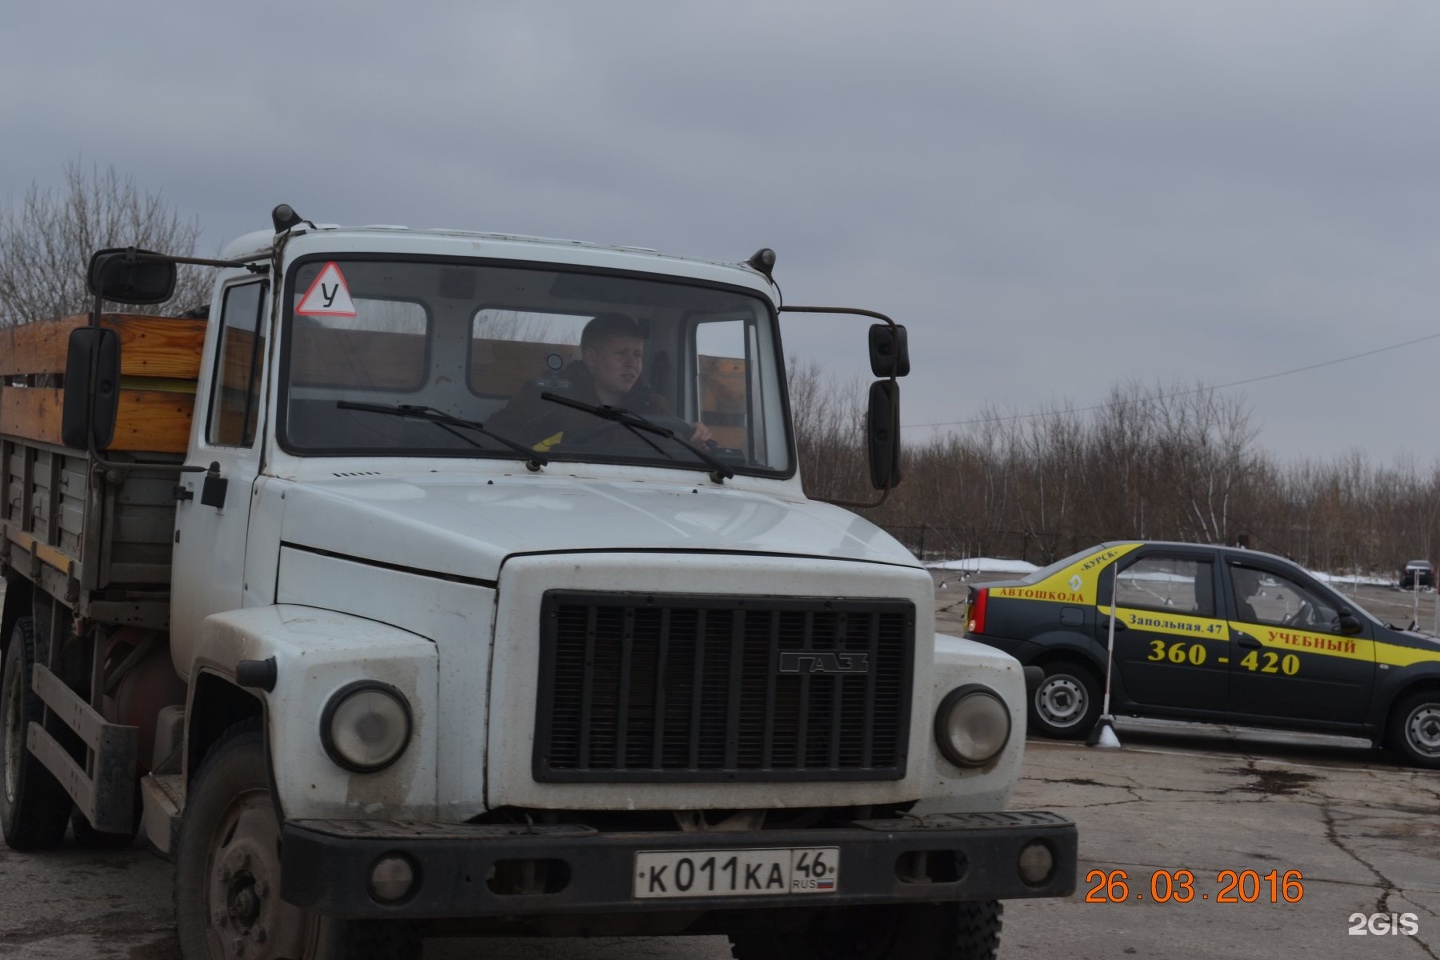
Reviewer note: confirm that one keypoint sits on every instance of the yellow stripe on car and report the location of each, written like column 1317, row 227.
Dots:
column 1074, row 584
column 1397, row 656
column 1306, row 641
column 1180, row 624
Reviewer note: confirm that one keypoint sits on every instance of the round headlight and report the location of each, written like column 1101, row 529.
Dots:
column 972, row 726
column 365, row 726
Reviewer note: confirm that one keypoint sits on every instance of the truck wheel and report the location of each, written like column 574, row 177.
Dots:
column 1067, row 703
column 227, row 873
column 968, row 930
column 1415, row 728
column 34, row 808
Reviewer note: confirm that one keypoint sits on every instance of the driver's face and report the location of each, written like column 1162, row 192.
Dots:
column 615, row 365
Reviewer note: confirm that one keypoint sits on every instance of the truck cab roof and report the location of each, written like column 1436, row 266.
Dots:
column 260, row 244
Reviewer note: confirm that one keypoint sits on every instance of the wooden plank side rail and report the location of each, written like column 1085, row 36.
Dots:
column 155, row 421
column 159, row 364
column 149, row 346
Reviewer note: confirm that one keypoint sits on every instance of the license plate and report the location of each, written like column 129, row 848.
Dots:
column 736, row 873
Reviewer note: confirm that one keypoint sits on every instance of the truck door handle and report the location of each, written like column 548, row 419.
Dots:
column 1119, row 624
column 1247, row 641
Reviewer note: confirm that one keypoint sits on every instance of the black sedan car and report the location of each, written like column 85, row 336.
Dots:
column 1212, row 634
column 1417, row 573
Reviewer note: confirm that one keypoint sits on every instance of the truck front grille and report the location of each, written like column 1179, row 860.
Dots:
column 663, row 687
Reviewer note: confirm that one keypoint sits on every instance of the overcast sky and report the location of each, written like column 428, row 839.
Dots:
column 1055, row 196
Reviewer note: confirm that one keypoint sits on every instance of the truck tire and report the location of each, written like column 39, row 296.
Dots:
column 1415, row 729
column 969, row 930
column 227, row 873
column 1067, row 703
column 34, row 807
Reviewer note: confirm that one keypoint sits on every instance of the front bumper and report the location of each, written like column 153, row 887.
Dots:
column 327, row 864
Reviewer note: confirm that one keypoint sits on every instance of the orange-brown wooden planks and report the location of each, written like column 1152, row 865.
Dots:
column 159, row 356
column 156, row 421
column 149, row 346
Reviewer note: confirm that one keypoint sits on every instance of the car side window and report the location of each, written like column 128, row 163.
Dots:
column 1273, row 599
column 1171, row 584
column 235, row 400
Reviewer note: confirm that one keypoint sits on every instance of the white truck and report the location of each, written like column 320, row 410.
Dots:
column 368, row 671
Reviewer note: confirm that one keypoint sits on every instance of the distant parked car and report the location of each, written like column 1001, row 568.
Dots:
column 1214, row 634
column 1417, row 572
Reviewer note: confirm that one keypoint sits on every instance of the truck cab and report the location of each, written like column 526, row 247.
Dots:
column 442, row 673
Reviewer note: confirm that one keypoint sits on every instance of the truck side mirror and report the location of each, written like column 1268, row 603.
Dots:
column 883, row 434
column 117, row 274
column 889, row 350
column 94, row 349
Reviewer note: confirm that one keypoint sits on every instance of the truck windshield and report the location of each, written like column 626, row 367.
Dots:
column 384, row 357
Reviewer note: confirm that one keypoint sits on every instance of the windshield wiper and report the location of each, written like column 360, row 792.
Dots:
column 533, row 459
column 719, row 472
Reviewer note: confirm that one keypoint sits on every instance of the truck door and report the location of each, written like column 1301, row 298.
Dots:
column 213, row 513
column 1291, row 658
column 1170, row 643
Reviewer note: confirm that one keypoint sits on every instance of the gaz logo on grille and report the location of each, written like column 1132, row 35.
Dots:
column 809, row 661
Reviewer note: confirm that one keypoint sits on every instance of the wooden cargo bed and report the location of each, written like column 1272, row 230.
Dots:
column 159, row 364
column 98, row 540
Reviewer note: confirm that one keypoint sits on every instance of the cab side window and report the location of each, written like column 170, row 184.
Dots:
column 1265, row 597
column 235, row 396
column 1170, row 584
column 722, row 385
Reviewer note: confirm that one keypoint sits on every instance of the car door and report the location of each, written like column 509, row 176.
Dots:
column 1171, row 644
column 213, row 515
column 1293, row 655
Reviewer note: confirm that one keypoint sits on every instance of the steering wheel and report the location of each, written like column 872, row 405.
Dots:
column 587, row 437
column 1303, row 616
column 676, row 425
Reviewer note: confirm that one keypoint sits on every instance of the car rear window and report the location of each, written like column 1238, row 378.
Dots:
column 1056, row 567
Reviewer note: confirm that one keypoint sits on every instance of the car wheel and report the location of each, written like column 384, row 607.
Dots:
column 1067, row 702
column 1415, row 729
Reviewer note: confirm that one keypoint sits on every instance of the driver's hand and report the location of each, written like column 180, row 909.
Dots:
column 701, row 434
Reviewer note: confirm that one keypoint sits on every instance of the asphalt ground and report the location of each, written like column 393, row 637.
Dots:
column 1224, row 806
column 1177, row 808
column 1203, row 825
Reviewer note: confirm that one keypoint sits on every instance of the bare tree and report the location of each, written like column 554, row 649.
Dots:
column 46, row 242
column 1205, row 451
column 1153, row 462
column 830, row 432
column 1118, row 469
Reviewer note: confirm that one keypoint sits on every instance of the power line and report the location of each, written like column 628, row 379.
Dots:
column 1186, row 393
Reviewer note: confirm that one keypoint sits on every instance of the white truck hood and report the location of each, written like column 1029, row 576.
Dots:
column 466, row 526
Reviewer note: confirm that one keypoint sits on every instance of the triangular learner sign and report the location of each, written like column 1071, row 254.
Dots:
column 328, row 296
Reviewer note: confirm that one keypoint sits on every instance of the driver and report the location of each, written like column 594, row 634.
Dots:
column 1247, row 589
column 612, row 355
